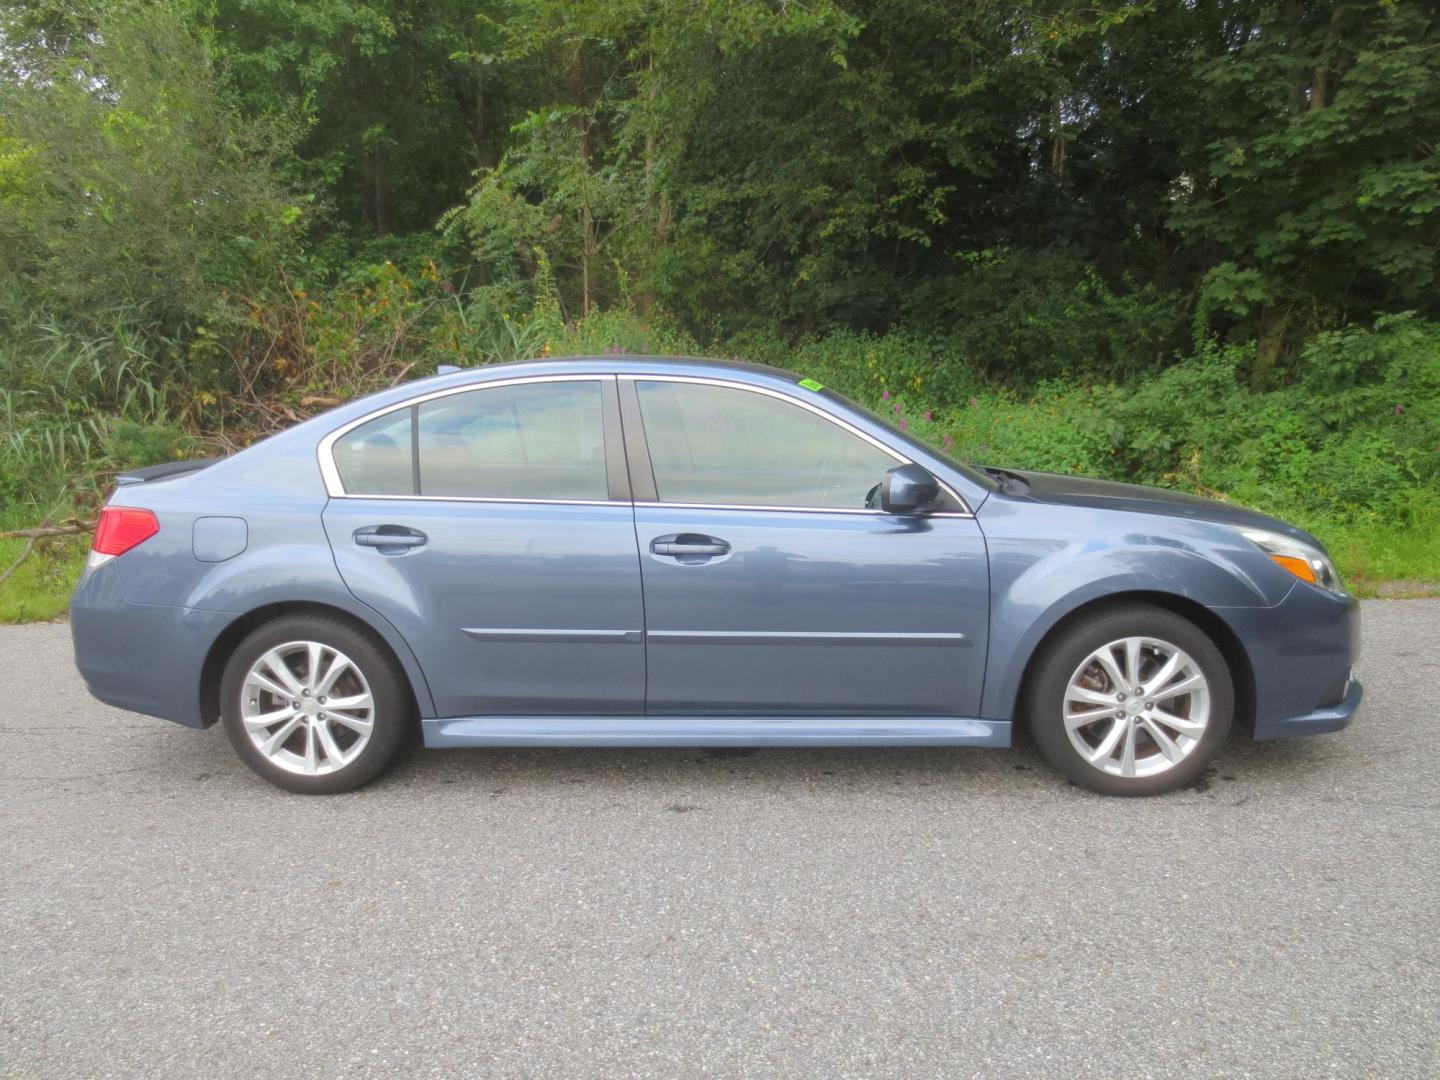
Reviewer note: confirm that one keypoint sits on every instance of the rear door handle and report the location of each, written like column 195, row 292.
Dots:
column 390, row 539
column 677, row 544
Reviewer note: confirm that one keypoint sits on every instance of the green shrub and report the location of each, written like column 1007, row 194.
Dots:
column 1026, row 316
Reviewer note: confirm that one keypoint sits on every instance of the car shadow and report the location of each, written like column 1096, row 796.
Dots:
column 764, row 768
column 1242, row 766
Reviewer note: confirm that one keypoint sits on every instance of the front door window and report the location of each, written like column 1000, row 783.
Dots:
column 723, row 446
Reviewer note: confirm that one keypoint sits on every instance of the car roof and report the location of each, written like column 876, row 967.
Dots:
column 623, row 362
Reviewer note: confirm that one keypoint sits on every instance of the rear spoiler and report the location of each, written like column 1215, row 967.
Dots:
column 163, row 472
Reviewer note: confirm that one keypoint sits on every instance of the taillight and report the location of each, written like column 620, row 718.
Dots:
column 122, row 528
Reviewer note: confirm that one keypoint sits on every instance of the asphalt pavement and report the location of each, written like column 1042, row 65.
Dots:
column 676, row 913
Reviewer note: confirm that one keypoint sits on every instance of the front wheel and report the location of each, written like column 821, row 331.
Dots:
column 1132, row 701
column 314, row 705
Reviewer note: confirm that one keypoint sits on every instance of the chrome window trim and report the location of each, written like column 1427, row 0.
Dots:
column 336, row 489
column 490, row 499
column 862, row 511
column 325, row 451
column 842, row 424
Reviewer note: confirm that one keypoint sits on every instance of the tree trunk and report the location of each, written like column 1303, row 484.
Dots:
column 1270, row 344
column 587, row 216
column 587, row 224
column 657, row 201
column 469, row 93
column 379, row 195
column 1057, row 139
column 1299, row 84
column 588, row 242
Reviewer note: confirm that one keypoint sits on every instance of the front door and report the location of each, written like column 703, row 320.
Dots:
column 492, row 527
column 771, row 589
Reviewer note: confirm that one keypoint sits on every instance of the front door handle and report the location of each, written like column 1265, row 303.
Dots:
column 390, row 539
column 691, row 544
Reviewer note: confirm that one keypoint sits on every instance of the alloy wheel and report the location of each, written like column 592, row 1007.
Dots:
column 1137, row 706
column 307, row 708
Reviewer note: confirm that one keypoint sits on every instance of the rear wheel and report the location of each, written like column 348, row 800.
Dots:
column 1135, row 700
column 314, row 705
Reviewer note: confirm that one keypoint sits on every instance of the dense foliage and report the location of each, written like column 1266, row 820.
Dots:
column 1189, row 242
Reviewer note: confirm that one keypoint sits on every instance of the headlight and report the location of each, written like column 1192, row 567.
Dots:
column 1301, row 559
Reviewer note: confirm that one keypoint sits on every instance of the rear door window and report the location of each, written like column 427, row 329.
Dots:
column 543, row 440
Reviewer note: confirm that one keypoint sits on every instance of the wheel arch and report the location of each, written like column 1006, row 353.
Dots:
column 213, row 668
column 1211, row 624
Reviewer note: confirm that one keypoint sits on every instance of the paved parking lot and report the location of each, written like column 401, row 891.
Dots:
column 664, row 913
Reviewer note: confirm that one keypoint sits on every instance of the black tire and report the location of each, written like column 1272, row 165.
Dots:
column 392, row 717
column 1043, row 708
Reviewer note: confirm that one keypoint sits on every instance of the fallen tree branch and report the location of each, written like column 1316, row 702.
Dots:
column 45, row 532
column 24, row 554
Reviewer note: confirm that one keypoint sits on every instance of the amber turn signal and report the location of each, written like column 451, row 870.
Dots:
column 1301, row 568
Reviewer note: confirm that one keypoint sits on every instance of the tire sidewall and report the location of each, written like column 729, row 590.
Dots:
column 1045, row 699
column 393, row 711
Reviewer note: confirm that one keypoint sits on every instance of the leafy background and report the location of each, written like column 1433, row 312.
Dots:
column 1179, row 243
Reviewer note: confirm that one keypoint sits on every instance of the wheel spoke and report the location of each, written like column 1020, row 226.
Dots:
column 1108, row 744
column 266, row 720
column 1083, row 719
column 1127, row 753
column 1184, row 686
column 281, row 670
column 1106, row 659
column 355, row 701
column 1167, row 745
column 328, row 744
column 269, row 685
column 1132, row 660
column 314, row 651
column 338, row 666
column 312, row 762
column 276, row 741
column 1181, row 724
column 1090, row 697
column 1165, row 674
column 354, row 723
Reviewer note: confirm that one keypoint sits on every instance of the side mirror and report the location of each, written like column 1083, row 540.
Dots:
column 908, row 489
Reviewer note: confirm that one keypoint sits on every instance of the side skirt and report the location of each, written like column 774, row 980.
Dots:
column 715, row 731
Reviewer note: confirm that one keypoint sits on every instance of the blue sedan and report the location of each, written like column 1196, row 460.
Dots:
column 655, row 552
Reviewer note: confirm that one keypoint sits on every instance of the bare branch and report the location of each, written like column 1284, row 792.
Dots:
column 24, row 554
column 45, row 532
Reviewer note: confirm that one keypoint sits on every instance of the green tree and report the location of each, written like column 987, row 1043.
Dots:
column 126, row 175
column 399, row 101
column 1318, row 197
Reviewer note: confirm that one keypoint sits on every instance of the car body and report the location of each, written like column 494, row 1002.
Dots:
column 650, row 551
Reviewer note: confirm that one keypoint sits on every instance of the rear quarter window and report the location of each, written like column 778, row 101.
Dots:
column 376, row 458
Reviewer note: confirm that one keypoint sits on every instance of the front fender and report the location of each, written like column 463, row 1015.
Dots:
column 1047, row 561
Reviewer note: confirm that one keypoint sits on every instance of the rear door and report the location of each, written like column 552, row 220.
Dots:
column 770, row 588
column 492, row 526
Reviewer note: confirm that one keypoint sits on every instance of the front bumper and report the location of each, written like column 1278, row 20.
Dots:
column 1317, row 721
column 1302, row 655
column 143, row 657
